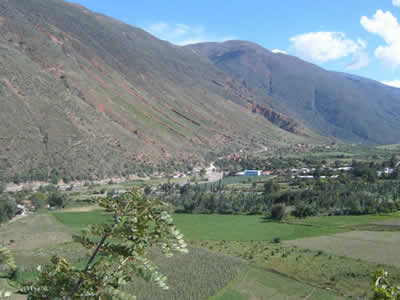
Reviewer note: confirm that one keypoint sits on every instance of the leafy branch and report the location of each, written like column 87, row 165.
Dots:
column 119, row 248
column 7, row 259
column 383, row 288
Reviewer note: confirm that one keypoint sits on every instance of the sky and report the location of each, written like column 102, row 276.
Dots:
column 360, row 37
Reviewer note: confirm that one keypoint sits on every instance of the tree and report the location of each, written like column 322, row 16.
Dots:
column 303, row 210
column 271, row 187
column 8, row 208
column 278, row 212
column 147, row 190
column 393, row 160
column 119, row 249
column 2, row 187
column 202, row 172
column 38, row 200
column 57, row 199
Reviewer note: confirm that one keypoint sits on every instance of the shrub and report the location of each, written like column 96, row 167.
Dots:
column 276, row 240
column 8, row 209
column 278, row 212
column 38, row 200
column 57, row 199
column 302, row 211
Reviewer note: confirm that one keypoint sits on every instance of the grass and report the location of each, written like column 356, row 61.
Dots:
column 255, row 283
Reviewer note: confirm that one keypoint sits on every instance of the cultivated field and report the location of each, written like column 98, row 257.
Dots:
column 344, row 221
column 346, row 276
column 255, row 283
column 243, row 228
column 197, row 275
column 213, row 227
column 249, row 238
column 232, row 256
column 375, row 246
column 34, row 231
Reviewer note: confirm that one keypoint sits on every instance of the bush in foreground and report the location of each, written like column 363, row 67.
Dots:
column 118, row 248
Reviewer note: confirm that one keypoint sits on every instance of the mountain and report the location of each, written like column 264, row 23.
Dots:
column 86, row 95
column 334, row 104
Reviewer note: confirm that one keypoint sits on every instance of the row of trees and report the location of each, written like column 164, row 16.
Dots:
column 349, row 194
column 9, row 202
column 54, row 175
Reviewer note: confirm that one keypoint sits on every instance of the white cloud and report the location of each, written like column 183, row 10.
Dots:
column 385, row 25
column 396, row 3
column 321, row 47
column 182, row 34
column 394, row 83
column 279, row 51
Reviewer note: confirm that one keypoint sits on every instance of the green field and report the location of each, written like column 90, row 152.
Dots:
column 255, row 283
column 80, row 220
column 231, row 256
column 243, row 228
column 240, row 227
column 343, row 221
column 214, row 227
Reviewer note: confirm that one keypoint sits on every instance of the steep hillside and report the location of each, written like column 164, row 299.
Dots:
column 333, row 104
column 81, row 93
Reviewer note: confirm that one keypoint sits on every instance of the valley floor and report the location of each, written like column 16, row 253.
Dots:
column 232, row 257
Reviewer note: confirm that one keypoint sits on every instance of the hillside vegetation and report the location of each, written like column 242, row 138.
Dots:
column 78, row 87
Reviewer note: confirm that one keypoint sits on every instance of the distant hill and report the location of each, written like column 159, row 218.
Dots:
column 334, row 104
column 85, row 94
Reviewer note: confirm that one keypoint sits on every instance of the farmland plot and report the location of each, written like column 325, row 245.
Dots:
column 197, row 275
column 257, row 284
column 34, row 231
column 376, row 246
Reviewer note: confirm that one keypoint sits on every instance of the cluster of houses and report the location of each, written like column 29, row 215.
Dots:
column 297, row 173
column 304, row 173
column 386, row 171
column 25, row 207
column 254, row 173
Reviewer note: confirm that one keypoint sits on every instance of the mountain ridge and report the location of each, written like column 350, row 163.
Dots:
column 325, row 101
